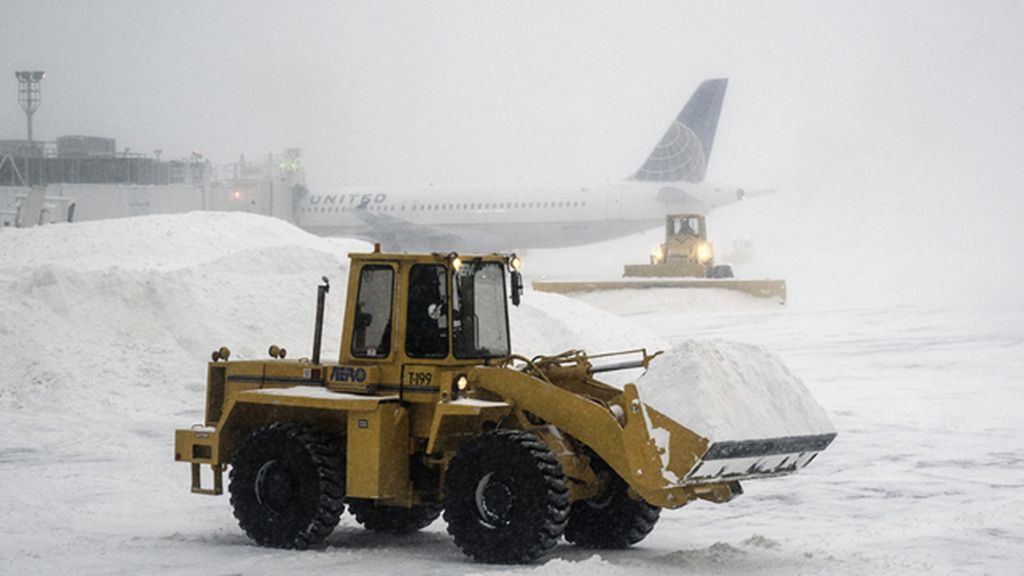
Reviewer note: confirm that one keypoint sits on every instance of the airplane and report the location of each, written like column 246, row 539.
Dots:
column 482, row 220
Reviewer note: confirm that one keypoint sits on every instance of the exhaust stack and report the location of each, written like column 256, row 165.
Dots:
column 318, row 331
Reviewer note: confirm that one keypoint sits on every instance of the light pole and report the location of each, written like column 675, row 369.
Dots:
column 29, row 95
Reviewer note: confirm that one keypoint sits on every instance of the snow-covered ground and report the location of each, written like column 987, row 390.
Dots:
column 105, row 328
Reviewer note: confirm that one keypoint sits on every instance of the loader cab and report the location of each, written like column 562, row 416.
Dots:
column 411, row 319
column 685, row 225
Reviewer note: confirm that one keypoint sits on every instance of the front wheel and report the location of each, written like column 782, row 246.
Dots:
column 612, row 520
column 287, row 486
column 720, row 271
column 391, row 519
column 505, row 498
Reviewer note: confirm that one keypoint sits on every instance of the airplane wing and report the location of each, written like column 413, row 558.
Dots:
column 400, row 234
column 744, row 194
column 397, row 233
column 704, row 198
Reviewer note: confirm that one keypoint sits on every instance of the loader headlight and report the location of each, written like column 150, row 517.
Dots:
column 515, row 263
column 658, row 254
column 461, row 383
column 704, row 252
column 454, row 261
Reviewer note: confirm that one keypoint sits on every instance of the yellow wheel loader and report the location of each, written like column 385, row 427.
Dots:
column 686, row 252
column 427, row 409
column 685, row 260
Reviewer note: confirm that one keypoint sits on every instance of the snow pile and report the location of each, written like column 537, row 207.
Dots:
column 548, row 324
column 158, row 243
column 731, row 391
column 103, row 319
column 106, row 319
column 592, row 566
column 693, row 301
column 119, row 317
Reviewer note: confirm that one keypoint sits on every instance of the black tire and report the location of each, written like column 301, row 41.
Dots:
column 392, row 519
column 505, row 498
column 611, row 520
column 287, row 486
column 720, row 271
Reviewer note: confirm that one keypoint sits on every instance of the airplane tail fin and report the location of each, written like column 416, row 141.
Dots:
column 683, row 152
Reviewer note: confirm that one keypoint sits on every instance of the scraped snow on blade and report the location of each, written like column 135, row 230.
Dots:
column 759, row 418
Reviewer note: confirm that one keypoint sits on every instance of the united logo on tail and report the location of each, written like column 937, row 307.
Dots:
column 683, row 152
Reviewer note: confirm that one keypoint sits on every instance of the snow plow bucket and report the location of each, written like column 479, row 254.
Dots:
column 720, row 412
column 745, row 459
column 703, row 416
column 757, row 288
column 730, row 460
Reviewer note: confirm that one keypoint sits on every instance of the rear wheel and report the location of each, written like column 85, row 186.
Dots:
column 720, row 271
column 505, row 498
column 611, row 520
column 287, row 486
column 391, row 519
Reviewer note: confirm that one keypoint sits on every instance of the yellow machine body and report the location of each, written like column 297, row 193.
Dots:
column 399, row 411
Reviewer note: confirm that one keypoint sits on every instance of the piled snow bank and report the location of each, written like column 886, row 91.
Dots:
column 731, row 391
column 548, row 324
column 693, row 301
column 552, row 323
column 592, row 566
column 115, row 319
column 156, row 243
column 108, row 318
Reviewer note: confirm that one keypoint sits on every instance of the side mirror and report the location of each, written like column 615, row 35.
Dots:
column 517, row 287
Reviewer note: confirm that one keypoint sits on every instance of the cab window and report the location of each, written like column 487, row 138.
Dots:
column 480, row 320
column 426, row 325
column 372, row 330
column 685, row 226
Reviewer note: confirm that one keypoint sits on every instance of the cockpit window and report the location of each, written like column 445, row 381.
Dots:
column 480, row 321
column 372, row 331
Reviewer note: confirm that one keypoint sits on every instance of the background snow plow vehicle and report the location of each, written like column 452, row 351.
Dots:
column 685, row 260
column 427, row 409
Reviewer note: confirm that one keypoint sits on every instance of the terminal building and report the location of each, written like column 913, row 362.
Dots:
column 87, row 178
column 90, row 160
column 78, row 178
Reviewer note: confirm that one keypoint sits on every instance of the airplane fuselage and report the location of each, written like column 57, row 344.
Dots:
column 502, row 219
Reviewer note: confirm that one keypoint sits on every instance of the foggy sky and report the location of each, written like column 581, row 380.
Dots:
column 899, row 123
column 469, row 93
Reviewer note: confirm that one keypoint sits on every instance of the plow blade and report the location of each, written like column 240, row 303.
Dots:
column 757, row 288
column 664, row 270
column 746, row 459
column 690, row 458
